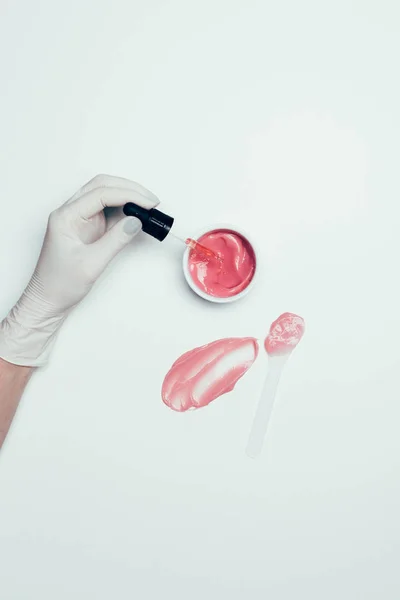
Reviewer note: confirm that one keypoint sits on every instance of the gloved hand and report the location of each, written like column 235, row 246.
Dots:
column 76, row 249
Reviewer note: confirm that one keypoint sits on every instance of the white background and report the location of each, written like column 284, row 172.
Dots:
column 282, row 117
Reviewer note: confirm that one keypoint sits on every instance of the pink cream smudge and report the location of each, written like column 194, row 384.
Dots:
column 284, row 334
column 230, row 271
column 201, row 375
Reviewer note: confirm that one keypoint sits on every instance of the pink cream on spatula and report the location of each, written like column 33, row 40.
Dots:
column 201, row 375
column 284, row 335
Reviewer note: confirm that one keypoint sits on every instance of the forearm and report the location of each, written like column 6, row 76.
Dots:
column 13, row 380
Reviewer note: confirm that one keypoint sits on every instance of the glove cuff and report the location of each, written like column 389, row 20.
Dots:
column 27, row 340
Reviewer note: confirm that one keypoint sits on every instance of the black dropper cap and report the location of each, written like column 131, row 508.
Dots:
column 154, row 222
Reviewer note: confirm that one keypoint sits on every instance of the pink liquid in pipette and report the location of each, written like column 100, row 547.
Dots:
column 200, row 248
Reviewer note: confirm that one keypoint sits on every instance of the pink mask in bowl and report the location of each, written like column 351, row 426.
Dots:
column 230, row 274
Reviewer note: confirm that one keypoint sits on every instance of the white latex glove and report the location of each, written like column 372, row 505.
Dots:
column 76, row 249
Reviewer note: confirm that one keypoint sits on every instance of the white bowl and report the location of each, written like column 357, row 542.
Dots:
column 201, row 293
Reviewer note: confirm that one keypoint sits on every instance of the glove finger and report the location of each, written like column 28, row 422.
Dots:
column 110, row 181
column 113, row 215
column 114, row 240
column 98, row 199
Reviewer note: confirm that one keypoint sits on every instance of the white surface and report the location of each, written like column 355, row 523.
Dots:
column 282, row 117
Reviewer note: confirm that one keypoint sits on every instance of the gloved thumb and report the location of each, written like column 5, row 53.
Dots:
column 115, row 239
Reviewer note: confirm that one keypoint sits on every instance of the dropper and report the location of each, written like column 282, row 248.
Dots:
column 158, row 225
column 194, row 245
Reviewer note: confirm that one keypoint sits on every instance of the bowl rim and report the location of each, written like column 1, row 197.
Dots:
column 185, row 262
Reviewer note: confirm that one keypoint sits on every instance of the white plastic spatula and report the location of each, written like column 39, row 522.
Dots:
column 265, row 405
column 284, row 335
